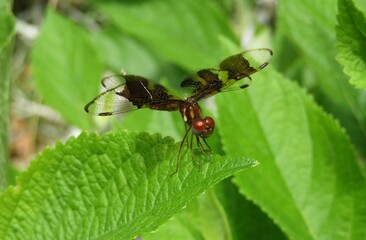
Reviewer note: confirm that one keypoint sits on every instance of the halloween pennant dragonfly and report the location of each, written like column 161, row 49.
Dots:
column 124, row 93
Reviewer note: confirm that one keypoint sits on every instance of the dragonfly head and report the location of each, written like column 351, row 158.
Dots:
column 203, row 127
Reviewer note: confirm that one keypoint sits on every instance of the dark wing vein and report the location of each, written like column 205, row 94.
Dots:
column 207, row 82
column 133, row 92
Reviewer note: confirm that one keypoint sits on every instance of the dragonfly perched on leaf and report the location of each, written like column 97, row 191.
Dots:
column 124, row 93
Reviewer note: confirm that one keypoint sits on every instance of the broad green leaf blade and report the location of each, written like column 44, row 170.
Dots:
column 6, row 48
column 246, row 220
column 220, row 213
column 312, row 31
column 212, row 219
column 308, row 181
column 112, row 187
column 203, row 218
column 351, row 35
column 66, row 68
column 187, row 35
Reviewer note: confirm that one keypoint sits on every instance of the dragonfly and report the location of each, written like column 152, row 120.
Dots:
column 124, row 93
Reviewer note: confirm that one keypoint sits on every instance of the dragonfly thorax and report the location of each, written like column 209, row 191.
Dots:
column 190, row 111
column 192, row 116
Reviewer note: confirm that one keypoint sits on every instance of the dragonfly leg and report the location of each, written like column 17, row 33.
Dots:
column 187, row 130
column 200, row 146
column 208, row 146
column 185, row 139
column 194, row 155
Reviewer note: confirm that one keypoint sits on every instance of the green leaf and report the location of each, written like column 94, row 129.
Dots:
column 308, row 180
column 351, row 35
column 112, row 187
column 6, row 49
column 311, row 31
column 120, row 51
column 7, row 24
column 187, row 34
column 246, row 220
column 148, row 121
column 13, row 172
column 203, row 218
column 220, row 213
column 66, row 68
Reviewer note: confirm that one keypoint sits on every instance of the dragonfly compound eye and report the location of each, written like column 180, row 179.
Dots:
column 198, row 126
column 203, row 127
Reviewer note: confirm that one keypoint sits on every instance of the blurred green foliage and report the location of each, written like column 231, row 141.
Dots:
column 6, row 47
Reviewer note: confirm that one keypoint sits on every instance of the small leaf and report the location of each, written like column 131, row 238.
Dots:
column 66, row 68
column 6, row 49
column 309, row 181
column 351, row 35
column 7, row 24
column 112, row 187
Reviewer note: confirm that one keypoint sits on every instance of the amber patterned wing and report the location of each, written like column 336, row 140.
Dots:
column 207, row 82
column 128, row 92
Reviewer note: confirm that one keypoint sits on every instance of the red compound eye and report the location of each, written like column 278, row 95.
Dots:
column 198, row 126
column 203, row 127
column 210, row 122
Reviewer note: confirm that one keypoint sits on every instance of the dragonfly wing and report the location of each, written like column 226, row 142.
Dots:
column 110, row 102
column 112, row 81
column 133, row 93
column 207, row 82
column 246, row 63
